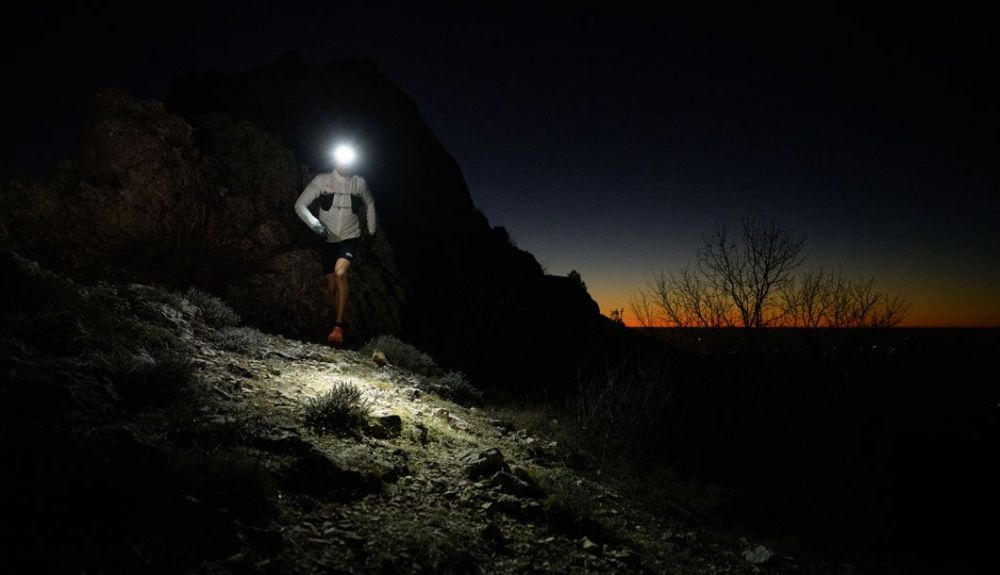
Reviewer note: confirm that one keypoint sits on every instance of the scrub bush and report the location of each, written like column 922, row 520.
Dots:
column 402, row 354
column 455, row 387
column 214, row 310
column 245, row 340
column 340, row 409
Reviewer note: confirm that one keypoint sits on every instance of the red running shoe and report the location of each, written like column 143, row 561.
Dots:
column 336, row 336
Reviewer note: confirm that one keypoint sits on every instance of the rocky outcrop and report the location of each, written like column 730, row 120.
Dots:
column 200, row 191
column 152, row 199
column 474, row 299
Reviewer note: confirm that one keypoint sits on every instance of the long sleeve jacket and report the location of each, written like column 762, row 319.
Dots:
column 335, row 192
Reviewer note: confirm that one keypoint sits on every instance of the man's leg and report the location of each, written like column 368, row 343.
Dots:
column 331, row 288
column 340, row 279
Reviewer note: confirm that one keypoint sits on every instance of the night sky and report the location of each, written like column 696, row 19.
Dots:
column 609, row 141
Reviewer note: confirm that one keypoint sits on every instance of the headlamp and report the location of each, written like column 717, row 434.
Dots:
column 344, row 155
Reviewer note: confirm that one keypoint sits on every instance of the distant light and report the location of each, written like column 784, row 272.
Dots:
column 344, row 155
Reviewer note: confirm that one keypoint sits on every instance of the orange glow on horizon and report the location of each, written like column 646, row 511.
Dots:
column 924, row 311
column 930, row 322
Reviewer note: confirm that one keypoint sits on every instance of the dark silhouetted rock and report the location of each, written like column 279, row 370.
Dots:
column 474, row 300
column 200, row 191
column 514, row 485
column 385, row 425
column 151, row 199
column 482, row 462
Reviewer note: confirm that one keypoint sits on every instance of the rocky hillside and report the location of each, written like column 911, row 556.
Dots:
column 199, row 191
column 147, row 430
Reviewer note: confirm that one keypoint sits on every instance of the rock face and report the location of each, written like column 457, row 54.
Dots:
column 200, row 191
column 474, row 300
column 152, row 199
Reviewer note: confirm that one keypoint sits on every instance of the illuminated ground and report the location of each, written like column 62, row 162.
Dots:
column 145, row 436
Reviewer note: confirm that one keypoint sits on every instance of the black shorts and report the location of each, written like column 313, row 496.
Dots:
column 332, row 251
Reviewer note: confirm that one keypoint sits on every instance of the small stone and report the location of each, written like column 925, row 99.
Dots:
column 624, row 555
column 757, row 555
column 236, row 369
column 385, row 425
column 458, row 423
column 440, row 413
column 589, row 546
column 385, row 470
column 508, row 504
column 418, row 433
column 379, row 358
column 524, row 475
column 514, row 485
column 480, row 463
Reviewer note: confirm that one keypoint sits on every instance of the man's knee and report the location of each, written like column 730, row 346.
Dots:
column 340, row 269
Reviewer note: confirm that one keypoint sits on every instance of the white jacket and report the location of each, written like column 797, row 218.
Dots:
column 341, row 223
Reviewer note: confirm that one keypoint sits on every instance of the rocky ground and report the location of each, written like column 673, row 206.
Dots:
column 147, row 432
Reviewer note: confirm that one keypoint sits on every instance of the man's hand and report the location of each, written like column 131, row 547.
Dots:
column 320, row 230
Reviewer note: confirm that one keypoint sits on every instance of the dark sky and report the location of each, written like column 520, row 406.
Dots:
column 608, row 141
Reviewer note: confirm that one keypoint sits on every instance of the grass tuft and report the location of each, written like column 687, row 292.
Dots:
column 341, row 409
column 246, row 340
column 214, row 310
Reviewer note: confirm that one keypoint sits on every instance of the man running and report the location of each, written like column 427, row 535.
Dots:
column 338, row 224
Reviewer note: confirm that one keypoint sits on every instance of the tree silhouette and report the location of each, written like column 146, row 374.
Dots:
column 616, row 315
column 746, row 278
column 751, row 266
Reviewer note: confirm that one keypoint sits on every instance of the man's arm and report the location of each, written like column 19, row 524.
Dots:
column 369, row 200
column 307, row 197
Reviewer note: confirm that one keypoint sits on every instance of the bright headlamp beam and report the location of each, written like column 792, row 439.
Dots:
column 344, row 155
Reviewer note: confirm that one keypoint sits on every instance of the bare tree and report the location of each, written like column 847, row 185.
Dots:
column 820, row 299
column 808, row 299
column 683, row 300
column 745, row 278
column 890, row 311
column 858, row 304
column 642, row 308
column 751, row 266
